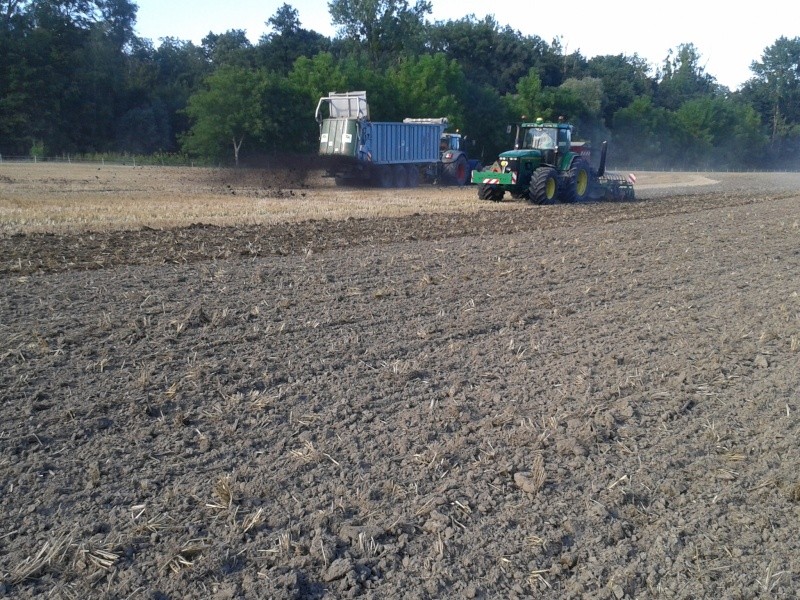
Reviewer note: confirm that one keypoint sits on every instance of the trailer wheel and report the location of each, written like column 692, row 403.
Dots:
column 490, row 192
column 412, row 175
column 457, row 172
column 383, row 176
column 399, row 176
column 544, row 186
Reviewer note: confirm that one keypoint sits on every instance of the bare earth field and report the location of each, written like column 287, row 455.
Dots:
column 257, row 385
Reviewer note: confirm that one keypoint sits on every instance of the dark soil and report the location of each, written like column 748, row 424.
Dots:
column 571, row 401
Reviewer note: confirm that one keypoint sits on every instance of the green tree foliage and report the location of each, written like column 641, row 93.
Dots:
column 580, row 101
column 62, row 71
column 75, row 78
column 159, row 83
column 316, row 77
column 644, row 134
column 774, row 91
column 383, row 28
column 684, row 78
column 226, row 112
column 528, row 103
column 428, row 86
column 238, row 105
column 288, row 41
column 493, row 55
column 624, row 78
column 715, row 132
column 231, row 48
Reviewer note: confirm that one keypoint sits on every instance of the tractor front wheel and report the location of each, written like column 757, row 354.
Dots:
column 457, row 172
column 489, row 192
column 544, row 186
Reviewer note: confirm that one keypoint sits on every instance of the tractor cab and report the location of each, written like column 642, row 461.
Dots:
column 550, row 139
column 450, row 141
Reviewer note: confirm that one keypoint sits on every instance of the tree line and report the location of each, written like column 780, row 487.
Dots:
column 75, row 79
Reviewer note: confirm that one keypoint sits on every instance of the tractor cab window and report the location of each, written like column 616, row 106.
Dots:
column 564, row 140
column 540, row 137
column 449, row 142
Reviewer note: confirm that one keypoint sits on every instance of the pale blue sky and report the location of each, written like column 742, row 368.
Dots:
column 728, row 38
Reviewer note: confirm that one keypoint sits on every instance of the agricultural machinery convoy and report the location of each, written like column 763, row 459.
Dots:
column 547, row 166
column 357, row 151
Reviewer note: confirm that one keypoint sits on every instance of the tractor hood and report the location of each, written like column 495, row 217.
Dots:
column 520, row 153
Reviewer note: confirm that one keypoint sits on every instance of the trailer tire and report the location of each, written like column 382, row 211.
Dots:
column 457, row 172
column 490, row 192
column 544, row 186
column 383, row 176
column 399, row 176
column 412, row 175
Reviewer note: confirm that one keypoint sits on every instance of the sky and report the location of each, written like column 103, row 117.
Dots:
column 728, row 39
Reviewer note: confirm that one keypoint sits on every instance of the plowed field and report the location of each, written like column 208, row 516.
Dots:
column 243, row 389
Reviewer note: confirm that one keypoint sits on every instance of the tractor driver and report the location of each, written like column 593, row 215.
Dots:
column 541, row 139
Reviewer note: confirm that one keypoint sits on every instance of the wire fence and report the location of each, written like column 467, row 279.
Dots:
column 134, row 161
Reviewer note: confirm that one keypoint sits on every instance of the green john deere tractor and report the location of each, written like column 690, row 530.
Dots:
column 547, row 166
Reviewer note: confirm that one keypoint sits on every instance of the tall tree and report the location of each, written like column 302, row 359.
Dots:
column 716, row 133
column 288, row 41
column 384, row 27
column 775, row 87
column 231, row 48
column 428, row 86
column 226, row 112
column 494, row 55
column 684, row 78
column 624, row 79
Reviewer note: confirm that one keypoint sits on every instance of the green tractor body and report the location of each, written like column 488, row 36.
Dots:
column 547, row 166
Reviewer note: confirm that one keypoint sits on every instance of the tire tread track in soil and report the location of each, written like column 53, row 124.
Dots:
column 583, row 401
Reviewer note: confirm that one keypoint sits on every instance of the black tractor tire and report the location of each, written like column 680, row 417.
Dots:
column 490, row 192
column 412, row 175
column 578, row 183
column 400, row 176
column 457, row 172
column 544, row 186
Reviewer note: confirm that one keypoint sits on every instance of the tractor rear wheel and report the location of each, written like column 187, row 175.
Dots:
column 578, row 182
column 457, row 172
column 489, row 192
column 544, row 186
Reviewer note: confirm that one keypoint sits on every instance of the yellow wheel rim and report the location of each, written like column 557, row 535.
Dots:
column 551, row 188
column 582, row 182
